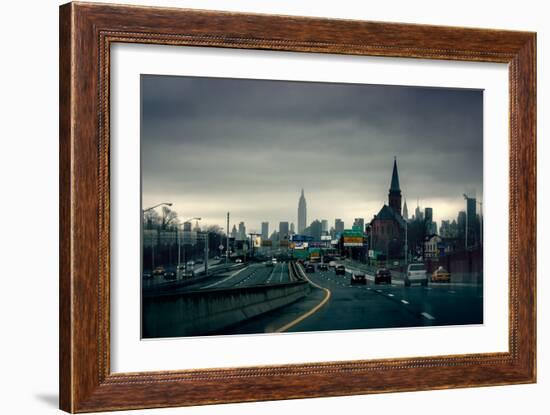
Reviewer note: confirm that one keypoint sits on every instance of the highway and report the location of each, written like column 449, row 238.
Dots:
column 370, row 306
column 239, row 276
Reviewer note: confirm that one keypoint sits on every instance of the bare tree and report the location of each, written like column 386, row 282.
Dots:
column 169, row 217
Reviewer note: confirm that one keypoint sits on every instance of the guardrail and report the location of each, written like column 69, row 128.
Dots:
column 173, row 314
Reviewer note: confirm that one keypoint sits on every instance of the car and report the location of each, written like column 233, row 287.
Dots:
column 199, row 261
column 190, row 264
column 358, row 278
column 310, row 268
column 238, row 261
column 159, row 271
column 416, row 273
column 169, row 275
column 332, row 264
column 323, row 267
column 340, row 270
column 274, row 261
column 382, row 275
column 147, row 275
column 441, row 275
column 269, row 264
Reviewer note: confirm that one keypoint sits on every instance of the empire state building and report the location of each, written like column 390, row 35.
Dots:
column 302, row 213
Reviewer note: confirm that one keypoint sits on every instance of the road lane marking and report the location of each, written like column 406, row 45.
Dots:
column 390, row 295
column 428, row 316
column 225, row 279
column 404, row 301
column 311, row 311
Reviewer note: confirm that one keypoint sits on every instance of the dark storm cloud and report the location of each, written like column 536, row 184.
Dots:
column 248, row 146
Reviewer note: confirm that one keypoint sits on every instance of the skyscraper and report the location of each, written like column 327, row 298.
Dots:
column 302, row 213
column 324, row 226
column 242, row 231
column 283, row 230
column 292, row 229
column 394, row 195
column 359, row 223
column 265, row 231
column 339, row 226
column 418, row 215
column 471, row 218
column 405, row 210
column 316, row 230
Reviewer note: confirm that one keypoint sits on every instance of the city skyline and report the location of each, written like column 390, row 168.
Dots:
column 339, row 150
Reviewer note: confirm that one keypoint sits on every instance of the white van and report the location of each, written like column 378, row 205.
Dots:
column 416, row 273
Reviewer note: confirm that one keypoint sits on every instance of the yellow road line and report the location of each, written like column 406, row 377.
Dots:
column 310, row 312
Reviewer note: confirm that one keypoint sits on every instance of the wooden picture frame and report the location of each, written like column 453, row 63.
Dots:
column 86, row 33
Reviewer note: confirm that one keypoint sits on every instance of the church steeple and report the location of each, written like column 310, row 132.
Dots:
column 394, row 196
column 395, row 177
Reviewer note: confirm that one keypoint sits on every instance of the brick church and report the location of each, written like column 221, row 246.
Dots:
column 387, row 228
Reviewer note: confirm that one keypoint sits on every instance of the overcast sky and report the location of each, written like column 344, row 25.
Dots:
column 213, row 145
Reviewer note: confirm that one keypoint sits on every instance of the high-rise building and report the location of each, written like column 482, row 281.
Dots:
column 284, row 230
column 265, row 231
column 471, row 219
column 292, row 228
column 431, row 227
column 359, row 223
column 405, row 210
column 242, row 231
column 418, row 215
column 316, row 230
column 394, row 195
column 234, row 233
column 339, row 226
column 324, row 226
column 428, row 214
column 302, row 213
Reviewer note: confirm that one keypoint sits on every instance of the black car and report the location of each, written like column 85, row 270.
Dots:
column 382, row 275
column 323, row 267
column 340, row 270
column 358, row 278
column 147, row 276
column 169, row 275
column 310, row 268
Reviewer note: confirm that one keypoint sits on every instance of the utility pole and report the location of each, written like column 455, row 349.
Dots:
column 406, row 244
column 206, row 253
column 466, row 230
column 227, row 241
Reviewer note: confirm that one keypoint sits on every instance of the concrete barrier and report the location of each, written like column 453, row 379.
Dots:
column 207, row 311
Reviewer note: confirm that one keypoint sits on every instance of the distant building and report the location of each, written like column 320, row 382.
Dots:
column 242, row 232
column 339, row 226
column 359, row 223
column 471, row 220
column 284, row 230
column 324, row 226
column 316, row 230
column 431, row 226
column 302, row 213
column 418, row 215
column 405, row 210
column 292, row 228
column 265, row 230
column 234, row 232
column 433, row 246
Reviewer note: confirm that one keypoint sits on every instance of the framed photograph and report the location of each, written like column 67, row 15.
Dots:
column 258, row 207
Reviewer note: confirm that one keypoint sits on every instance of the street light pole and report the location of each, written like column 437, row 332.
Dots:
column 156, row 206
